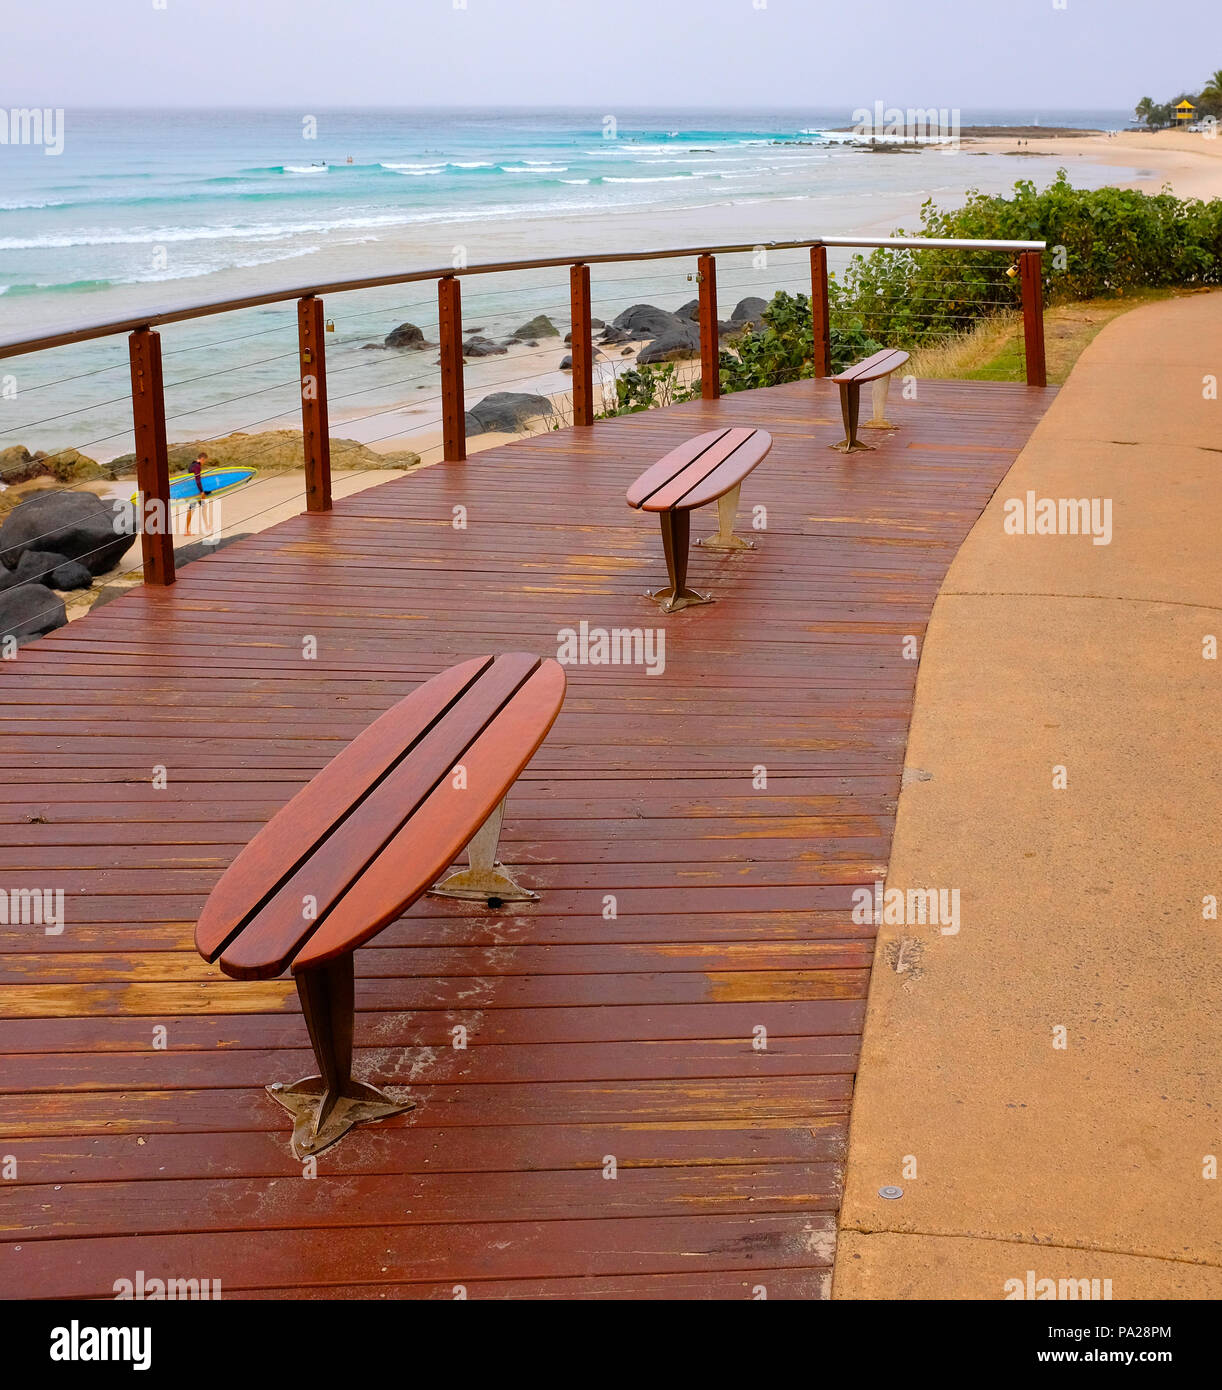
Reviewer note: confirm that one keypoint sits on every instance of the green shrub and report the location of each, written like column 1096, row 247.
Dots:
column 782, row 349
column 647, row 386
column 1114, row 239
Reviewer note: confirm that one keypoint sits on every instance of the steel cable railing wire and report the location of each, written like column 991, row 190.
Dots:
column 984, row 297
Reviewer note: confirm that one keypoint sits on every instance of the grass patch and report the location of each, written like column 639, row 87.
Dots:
column 993, row 350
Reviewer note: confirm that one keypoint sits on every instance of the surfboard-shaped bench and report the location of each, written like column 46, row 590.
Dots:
column 366, row 838
column 709, row 468
column 876, row 370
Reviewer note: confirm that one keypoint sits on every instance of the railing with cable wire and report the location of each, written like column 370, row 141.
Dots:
column 827, row 303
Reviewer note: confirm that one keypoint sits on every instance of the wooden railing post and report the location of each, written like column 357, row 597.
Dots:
column 315, row 430
column 152, row 457
column 710, row 345
column 820, row 312
column 453, row 404
column 582, row 345
column 1031, row 269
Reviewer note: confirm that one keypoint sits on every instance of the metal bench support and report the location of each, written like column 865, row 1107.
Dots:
column 486, row 880
column 850, row 408
column 880, row 391
column 325, row 1107
column 676, row 534
column 725, row 539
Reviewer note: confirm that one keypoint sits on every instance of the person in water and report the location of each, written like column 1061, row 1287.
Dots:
column 196, row 467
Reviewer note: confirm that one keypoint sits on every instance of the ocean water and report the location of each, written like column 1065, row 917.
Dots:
column 219, row 190
column 144, row 210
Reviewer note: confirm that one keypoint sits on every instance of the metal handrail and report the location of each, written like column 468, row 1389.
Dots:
column 148, row 392
column 16, row 347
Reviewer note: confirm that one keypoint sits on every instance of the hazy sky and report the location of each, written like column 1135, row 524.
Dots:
column 612, row 54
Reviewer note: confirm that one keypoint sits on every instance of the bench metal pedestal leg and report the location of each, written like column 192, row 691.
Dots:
column 850, row 408
column 879, row 393
column 725, row 539
column 676, row 533
column 486, row 880
column 325, row 1107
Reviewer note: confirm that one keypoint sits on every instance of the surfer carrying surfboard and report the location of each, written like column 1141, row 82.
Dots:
column 196, row 467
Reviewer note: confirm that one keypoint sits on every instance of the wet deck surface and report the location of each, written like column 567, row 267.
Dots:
column 689, row 913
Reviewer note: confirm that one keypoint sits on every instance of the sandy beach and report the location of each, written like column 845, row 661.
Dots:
column 1190, row 162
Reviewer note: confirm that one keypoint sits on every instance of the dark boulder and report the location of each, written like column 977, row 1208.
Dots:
column 566, row 363
column 689, row 311
column 672, row 345
column 539, row 327
column 29, row 610
column 70, row 575
column 76, row 525
column 44, row 567
column 613, row 337
column 647, row 321
column 506, row 412
column 407, row 335
column 481, row 347
column 749, row 310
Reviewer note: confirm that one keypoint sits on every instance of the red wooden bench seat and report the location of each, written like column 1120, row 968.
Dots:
column 709, row 468
column 876, row 369
column 367, row 837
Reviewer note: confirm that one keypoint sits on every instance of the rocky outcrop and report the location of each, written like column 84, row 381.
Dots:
column 673, row 345
column 28, row 610
column 408, row 336
column 18, row 465
column 539, row 327
column 647, row 321
column 689, row 311
column 270, row 451
column 44, row 567
column 75, row 525
column 506, row 412
column 749, row 311
column 482, row 347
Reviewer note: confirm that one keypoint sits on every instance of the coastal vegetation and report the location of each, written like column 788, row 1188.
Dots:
column 1208, row 103
column 1105, row 244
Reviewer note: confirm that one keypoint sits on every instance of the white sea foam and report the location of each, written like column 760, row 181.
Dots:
column 658, row 178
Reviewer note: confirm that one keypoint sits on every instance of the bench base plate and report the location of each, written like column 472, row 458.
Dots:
column 670, row 602
column 879, row 425
column 720, row 542
column 356, row 1106
column 481, row 885
column 856, row 447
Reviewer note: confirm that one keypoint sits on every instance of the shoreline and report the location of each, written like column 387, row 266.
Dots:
column 1190, row 163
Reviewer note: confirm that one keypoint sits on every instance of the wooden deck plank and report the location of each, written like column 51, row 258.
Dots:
column 588, row 1034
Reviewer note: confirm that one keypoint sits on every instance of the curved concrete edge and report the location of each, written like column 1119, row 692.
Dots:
column 1049, row 1077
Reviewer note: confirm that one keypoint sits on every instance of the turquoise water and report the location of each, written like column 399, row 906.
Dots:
column 146, row 198
column 146, row 211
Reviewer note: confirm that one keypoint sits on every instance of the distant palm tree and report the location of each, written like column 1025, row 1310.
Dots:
column 1213, row 85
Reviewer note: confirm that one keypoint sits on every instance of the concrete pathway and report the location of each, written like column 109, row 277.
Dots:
column 1045, row 1084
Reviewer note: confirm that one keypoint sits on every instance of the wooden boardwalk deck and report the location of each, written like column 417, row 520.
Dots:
column 590, row 1035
